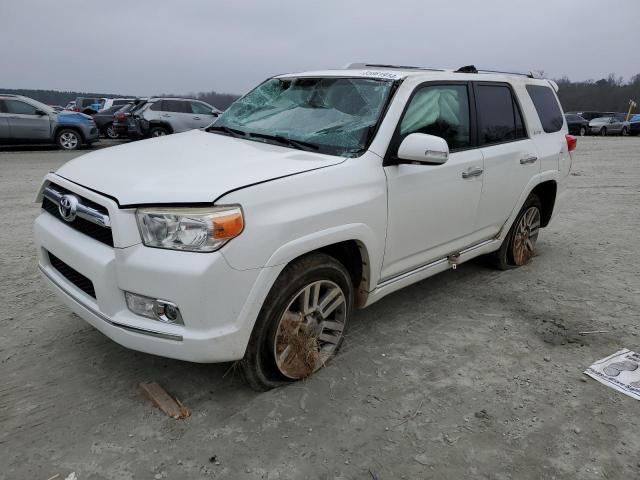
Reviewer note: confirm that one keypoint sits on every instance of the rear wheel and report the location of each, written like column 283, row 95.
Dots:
column 518, row 248
column 603, row 132
column 111, row 131
column 68, row 139
column 158, row 132
column 583, row 131
column 301, row 324
column 624, row 132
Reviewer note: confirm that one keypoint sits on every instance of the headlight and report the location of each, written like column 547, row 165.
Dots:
column 191, row 229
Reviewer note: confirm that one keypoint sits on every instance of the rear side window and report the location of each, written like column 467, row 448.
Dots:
column 499, row 117
column 440, row 110
column 177, row 106
column 547, row 107
column 156, row 106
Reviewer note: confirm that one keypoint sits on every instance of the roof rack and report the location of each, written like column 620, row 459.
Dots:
column 473, row 69
column 359, row 66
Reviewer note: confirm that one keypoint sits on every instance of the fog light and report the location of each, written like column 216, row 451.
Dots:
column 154, row 308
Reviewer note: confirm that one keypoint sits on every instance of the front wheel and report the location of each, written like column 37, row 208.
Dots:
column 68, row 139
column 518, row 247
column 624, row 132
column 301, row 324
column 603, row 132
column 583, row 131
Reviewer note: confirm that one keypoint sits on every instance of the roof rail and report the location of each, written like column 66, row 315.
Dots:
column 473, row 69
column 359, row 66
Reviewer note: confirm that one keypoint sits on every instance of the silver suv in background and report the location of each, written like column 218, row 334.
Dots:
column 162, row 116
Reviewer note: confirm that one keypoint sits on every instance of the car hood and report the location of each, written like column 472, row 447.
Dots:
column 190, row 167
column 72, row 117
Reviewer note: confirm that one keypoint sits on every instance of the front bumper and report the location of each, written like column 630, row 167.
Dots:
column 218, row 303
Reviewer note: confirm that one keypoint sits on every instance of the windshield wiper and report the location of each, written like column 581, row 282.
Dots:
column 299, row 144
column 229, row 131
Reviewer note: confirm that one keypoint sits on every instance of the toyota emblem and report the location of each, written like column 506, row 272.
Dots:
column 68, row 207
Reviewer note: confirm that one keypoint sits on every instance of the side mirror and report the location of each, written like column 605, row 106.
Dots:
column 40, row 113
column 215, row 112
column 420, row 148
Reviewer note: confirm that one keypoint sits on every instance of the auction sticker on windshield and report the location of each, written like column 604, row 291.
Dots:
column 376, row 74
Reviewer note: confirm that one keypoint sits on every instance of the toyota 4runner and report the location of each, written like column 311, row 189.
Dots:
column 314, row 194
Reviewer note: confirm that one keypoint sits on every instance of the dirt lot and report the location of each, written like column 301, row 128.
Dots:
column 471, row 374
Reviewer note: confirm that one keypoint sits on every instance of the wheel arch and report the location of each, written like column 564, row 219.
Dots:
column 546, row 192
column 160, row 123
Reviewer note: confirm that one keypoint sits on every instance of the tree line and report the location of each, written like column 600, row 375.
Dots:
column 609, row 94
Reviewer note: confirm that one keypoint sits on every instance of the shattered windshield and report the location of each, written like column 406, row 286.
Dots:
column 336, row 116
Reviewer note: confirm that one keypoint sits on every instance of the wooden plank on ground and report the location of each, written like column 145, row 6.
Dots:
column 165, row 402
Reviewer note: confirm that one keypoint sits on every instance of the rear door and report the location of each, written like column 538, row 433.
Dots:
column 177, row 113
column 510, row 156
column 24, row 123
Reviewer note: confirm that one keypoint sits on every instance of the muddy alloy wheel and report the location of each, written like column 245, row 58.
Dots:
column 525, row 236
column 310, row 329
column 301, row 324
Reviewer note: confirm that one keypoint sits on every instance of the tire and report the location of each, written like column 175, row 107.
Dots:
column 603, row 132
column 286, row 345
column 624, row 132
column 158, row 132
column 583, row 131
column 518, row 247
column 111, row 132
column 68, row 139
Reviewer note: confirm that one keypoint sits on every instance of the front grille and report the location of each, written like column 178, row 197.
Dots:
column 97, row 232
column 75, row 277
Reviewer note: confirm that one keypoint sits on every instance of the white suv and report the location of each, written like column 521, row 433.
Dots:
column 314, row 194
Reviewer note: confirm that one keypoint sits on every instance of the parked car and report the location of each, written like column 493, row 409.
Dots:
column 162, row 116
column 112, row 102
column 588, row 116
column 311, row 196
column 634, row 125
column 88, row 105
column 57, row 108
column 577, row 125
column 104, row 121
column 123, row 122
column 71, row 106
column 609, row 126
column 25, row 120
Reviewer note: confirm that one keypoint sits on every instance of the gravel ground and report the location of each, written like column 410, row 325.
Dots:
column 473, row 373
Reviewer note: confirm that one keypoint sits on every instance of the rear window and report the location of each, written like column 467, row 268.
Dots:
column 176, row 106
column 547, row 107
column 499, row 117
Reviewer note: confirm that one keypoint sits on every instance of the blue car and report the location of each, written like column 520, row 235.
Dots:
column 24, row 120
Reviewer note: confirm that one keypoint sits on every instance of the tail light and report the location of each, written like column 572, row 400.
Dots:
column 572, row 142
column 120, row 116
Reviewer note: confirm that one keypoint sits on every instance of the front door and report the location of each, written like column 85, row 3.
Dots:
column 432, row 208
column 202, row 115
column 24, row 123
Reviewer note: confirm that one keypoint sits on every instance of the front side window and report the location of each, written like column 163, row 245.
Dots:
column 547, row 107
column 200, row 108
column 440, row 110
column 499, row 117
column 332, row 115
column 19, row 108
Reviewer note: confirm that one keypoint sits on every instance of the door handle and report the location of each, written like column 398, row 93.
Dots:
column 165, row 115
column 196, row 118
column 528, row 159
column 472, row 172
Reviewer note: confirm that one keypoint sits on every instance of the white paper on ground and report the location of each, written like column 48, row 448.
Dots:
column 620, row 371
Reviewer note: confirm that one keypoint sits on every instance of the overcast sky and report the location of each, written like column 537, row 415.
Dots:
column 145, row 47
